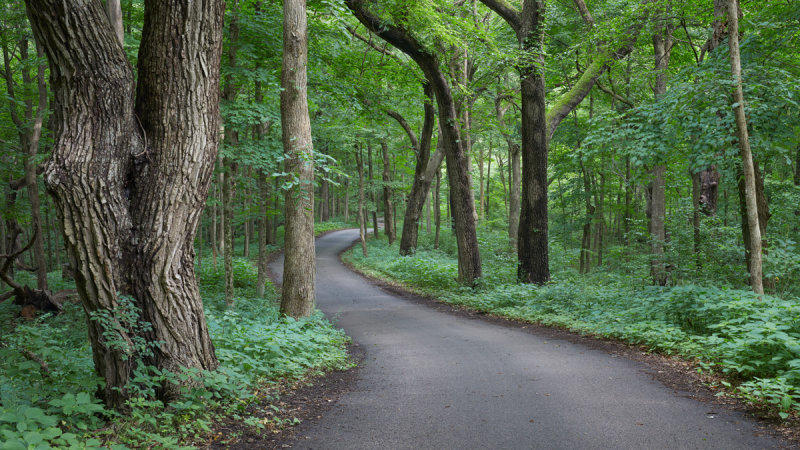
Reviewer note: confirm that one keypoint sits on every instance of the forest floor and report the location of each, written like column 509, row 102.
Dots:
column 435, row 376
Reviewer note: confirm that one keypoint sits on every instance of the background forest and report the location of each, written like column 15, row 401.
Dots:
column 635, row 225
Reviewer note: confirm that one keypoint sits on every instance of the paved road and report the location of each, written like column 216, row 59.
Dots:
column 433, row 380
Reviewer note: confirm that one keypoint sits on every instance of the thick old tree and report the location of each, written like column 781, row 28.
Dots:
column 130, row 170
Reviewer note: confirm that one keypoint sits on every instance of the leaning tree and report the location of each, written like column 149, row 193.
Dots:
column 130, row 171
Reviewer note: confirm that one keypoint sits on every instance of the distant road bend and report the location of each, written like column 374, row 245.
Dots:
column 433, row 380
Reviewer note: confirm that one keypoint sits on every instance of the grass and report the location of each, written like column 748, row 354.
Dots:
column 754, row 343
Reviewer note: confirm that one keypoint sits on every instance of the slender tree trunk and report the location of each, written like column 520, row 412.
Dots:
column 231, row 136
column 428, row 213
column 214, row 241
column 437, row 208
column 227, row 214
column 600, row 219
column 220, row 189
column 299, row 268
column 107, row 181
column 628, row 200
column 695, row 218
column 662, row 45
column 514, row 196
column 347, row 200
column 744, row 148
column 388, row 219
column 481, row 191
column 422, row 175
column 31, row 181
column 488, row 180
column 362, row 220
column 372, row 199
column 263, row 196
column 586, row 240
column 502, row 172
column 324, row 201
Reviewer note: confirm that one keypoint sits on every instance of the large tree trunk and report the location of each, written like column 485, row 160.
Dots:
column 533, row 259
column 388, row 219
column 129, row 205
column 299, row 267
column 744, row 148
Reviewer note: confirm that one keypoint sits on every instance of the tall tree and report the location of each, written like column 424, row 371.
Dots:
column 744, row 149
column 299, row 267
column 423, row 171
column 662, row 49
column 533, row 264
column 229, row 166
column 130, row 173
column 463, row 205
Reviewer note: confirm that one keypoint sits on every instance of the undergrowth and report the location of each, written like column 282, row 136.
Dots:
column 754, row 343
column 47, row 380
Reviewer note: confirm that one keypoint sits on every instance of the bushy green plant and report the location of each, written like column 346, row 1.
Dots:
column 56, row 406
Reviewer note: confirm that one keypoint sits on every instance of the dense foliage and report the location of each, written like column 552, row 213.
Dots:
column 365, row 94
column 47, row 384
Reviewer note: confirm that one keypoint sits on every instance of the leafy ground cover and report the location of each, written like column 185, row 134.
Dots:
column 47, row 380
column 753, row 343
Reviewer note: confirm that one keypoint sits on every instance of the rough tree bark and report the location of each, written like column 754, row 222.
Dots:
column 299, row 267
column 469, row 261
column 130, row 179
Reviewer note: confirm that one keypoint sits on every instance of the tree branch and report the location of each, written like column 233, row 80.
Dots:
column 613, row 94
column 507, row 11
column 402, row 121
column 9, row 259
column 587, row 16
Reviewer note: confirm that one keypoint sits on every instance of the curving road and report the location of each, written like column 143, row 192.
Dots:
column 432, row 380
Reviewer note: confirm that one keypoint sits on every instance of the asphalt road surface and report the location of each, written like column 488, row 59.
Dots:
column 433, row 380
